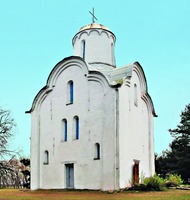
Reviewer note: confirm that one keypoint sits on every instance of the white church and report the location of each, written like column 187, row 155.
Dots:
column 92, row 124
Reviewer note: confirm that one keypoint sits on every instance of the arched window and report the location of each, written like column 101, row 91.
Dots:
column 97, row 151
column 64, row 136
column 70, row 92
column 83, row 49
column 46, row 157
column 76, row 127
column 135, row 95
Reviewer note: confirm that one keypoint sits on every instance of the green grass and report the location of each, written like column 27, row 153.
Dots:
column 17, row 194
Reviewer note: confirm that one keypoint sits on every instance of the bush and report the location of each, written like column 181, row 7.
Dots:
column 173, row 180
column 139, row 187
column 154, row 183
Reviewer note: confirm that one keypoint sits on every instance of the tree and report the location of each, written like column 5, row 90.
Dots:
column 177, row 160
column 6, row 127
column 161, row 164
column 9, row 170
column 10, row 173
column 183, row 129
column 26, row 171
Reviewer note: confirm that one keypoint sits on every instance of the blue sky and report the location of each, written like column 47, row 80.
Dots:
column 37, row 34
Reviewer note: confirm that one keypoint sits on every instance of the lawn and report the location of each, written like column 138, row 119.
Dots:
column 17, row 194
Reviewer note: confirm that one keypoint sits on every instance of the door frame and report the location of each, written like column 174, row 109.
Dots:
column 136, row 171
column 69, row 175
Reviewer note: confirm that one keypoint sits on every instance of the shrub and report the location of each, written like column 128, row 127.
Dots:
column 154, row 183
column 173, row 180
column 139, row 187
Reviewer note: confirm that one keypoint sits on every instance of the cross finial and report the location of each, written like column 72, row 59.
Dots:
column 93, row 16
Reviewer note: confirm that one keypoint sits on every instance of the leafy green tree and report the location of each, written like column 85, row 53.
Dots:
column 161, row 164
column 177, row 160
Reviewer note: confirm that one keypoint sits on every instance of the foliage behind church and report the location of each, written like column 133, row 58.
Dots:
column 176, row 160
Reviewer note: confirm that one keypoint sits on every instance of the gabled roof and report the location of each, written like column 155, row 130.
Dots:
column 113, row 76
column 116, row 77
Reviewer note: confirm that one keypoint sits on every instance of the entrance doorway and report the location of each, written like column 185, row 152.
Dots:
column 136, row 172
column 69, row 176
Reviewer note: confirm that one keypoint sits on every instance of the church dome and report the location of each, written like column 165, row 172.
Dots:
column 94, row 26
column 95, row 44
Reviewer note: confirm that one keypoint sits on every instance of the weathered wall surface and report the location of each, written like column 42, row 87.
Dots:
column 135, row 133
column 93, row 103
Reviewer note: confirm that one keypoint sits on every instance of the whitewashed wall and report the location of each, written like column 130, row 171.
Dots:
column 99, row 46
column 135, row 140
column 107, row 116
column 94, row 101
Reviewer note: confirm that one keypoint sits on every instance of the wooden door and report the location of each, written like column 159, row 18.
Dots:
column 136, row 172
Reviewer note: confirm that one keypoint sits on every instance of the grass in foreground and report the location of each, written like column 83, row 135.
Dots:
column 16, row 194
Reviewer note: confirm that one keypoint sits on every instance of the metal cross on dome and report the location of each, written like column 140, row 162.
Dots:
column 93, row 16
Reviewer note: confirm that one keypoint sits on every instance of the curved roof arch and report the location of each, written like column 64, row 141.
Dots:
column 142, row 78
column 117, row 76
column 144, row 88
column 92, row 74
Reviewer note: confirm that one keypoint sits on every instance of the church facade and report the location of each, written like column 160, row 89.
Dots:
column 92, row 124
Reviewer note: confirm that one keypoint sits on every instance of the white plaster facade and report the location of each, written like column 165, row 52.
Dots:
column 114, row 110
